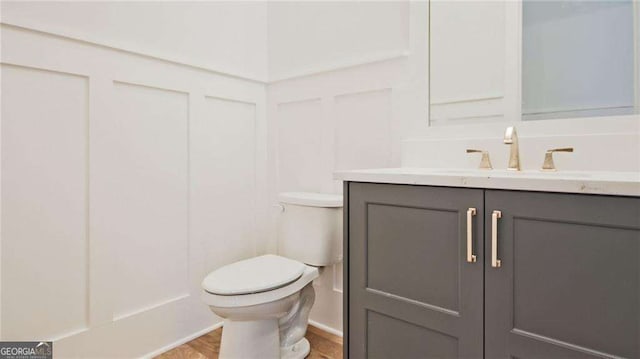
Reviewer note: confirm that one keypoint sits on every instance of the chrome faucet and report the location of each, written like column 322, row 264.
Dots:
column 511, row 138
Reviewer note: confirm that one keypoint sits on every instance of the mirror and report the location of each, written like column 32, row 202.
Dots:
column 577, row 59
column 532, row 60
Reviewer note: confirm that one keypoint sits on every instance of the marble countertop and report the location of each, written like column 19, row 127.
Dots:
column 593, row 182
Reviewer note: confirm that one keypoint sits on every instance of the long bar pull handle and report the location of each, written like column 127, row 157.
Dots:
column 495, row 262
column 471, row 258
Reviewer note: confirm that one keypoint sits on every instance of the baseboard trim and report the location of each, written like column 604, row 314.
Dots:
column 326, row 328
column 179, row 342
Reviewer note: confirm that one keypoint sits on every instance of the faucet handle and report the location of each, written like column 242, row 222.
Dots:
column 485, row 162
column 548, row 164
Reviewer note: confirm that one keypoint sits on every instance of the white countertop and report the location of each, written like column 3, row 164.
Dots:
column 606, row 183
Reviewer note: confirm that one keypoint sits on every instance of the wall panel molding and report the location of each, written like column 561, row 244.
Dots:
column 451, row 101
column 44, row 69
column 230, row 99
column 478, row 109
column 289, row 102
column 151, row 87
column 150, row 307
column 45, row 157
column 363, row 129
column 315, row 69
column 344, row 64
column 100, row 248
column 107, row 72
column 150, row 171
column 226, row 176
column 364, row 91
column 126, row 49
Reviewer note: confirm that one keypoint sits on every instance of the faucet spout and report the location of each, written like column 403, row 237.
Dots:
column 511, row 138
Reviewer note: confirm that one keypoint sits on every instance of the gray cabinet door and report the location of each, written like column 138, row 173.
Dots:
column 411, row 292
column 569, row 281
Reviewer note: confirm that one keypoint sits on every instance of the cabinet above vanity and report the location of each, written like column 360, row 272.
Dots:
column 453, row 263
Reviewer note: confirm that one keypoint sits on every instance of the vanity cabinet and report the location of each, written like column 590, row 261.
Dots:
column 410, row 296
column 568, row 283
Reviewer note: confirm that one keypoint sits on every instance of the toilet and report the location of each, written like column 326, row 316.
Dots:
column 265, row 301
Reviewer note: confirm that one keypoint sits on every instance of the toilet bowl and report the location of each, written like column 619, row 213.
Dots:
column 265, row 301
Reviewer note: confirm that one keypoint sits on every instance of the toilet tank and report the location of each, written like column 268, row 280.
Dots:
column 310, row 227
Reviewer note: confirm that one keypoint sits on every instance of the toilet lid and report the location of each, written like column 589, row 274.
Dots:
column 253, row 275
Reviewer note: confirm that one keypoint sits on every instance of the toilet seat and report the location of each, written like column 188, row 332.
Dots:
column 254, row 275
column 242, row 300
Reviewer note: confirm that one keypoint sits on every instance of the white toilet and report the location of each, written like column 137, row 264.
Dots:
column 265, row 301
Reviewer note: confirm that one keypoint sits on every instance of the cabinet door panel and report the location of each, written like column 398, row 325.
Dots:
column 410, row 289
column 406, row 269
column 569, row 284
column 394, row 338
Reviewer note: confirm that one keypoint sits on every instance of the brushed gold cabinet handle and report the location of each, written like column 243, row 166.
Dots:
column 495, row 262
column 471, row 258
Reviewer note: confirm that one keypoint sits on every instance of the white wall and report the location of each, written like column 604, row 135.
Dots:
column 126, row 177
column 315, row 36
column 136, row 187
column 343, row 77
column 223, row 36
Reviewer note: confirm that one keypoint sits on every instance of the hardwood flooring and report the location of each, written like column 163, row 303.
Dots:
column 323, row 346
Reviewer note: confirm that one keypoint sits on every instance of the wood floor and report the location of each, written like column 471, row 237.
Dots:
column 323, row 346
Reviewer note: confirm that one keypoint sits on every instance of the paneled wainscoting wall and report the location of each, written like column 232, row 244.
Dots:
column 349, row 112
column 125, row 179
